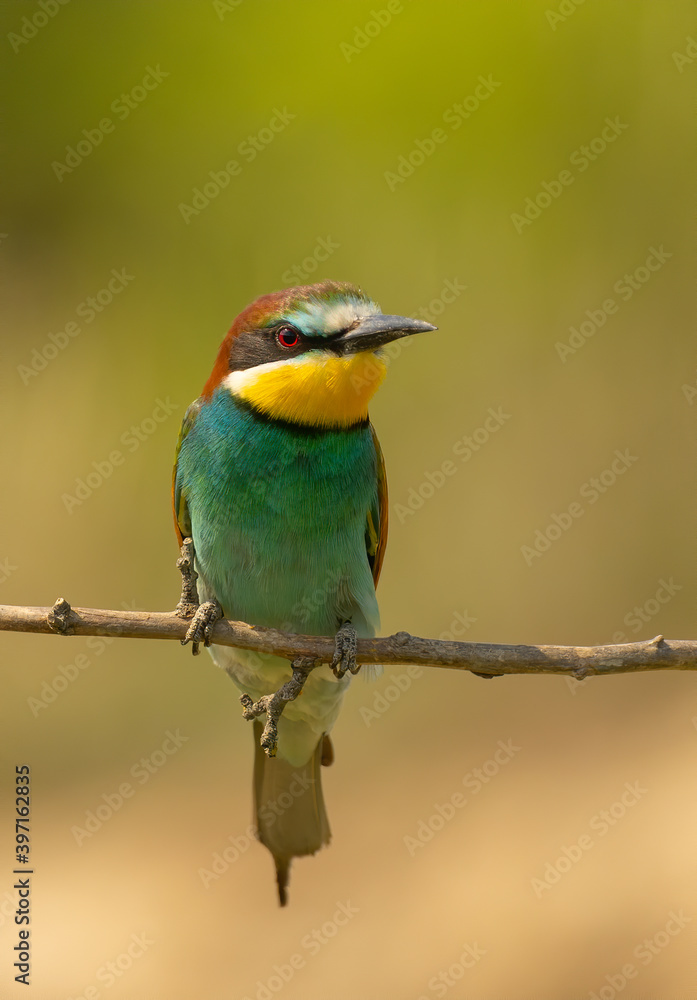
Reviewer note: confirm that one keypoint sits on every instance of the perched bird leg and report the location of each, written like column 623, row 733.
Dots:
column 188, row 602
column 345, row 649
column 272, row 705
column 203, row 616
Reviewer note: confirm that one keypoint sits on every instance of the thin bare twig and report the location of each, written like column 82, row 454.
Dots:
column 305, row 652
column 483, row 658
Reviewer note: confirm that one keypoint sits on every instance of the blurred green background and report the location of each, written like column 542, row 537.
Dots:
column 364, row 86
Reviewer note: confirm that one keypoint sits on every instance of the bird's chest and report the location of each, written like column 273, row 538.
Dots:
column 270, row 480
column 278, row 513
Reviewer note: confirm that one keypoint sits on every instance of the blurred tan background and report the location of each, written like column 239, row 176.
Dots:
column 536, row 83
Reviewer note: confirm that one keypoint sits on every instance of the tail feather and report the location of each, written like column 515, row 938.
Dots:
column 291, row 819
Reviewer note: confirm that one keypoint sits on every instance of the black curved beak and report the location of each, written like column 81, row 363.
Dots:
column 376, row 331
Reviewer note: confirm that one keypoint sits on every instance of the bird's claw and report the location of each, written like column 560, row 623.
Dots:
column 345, row 650
column 201, row 627
column 272, row 705
column 251, row 709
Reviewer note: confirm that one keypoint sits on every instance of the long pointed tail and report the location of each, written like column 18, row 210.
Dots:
column 289, row 807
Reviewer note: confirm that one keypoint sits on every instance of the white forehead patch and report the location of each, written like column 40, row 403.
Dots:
column 320, row 319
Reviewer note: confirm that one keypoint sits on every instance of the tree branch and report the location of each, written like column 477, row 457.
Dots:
column 483, row 658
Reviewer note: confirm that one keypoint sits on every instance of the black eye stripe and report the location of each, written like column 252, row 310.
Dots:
column 261, row 345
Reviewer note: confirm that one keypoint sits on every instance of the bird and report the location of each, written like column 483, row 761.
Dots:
column 280, row 486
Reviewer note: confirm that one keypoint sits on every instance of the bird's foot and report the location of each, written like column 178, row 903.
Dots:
column 188, row 602
column 272, row 705
column 345, row 649
column 201, row 627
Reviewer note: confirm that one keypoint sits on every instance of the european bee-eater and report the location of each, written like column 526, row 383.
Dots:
column 280, row 482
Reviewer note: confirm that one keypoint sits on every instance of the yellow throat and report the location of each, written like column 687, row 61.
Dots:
column 317, row 389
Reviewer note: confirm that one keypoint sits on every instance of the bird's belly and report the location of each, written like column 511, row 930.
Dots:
column 308, row 584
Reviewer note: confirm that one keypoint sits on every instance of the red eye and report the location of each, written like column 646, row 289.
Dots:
column 288, row 337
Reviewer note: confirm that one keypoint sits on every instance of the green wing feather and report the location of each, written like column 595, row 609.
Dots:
column 376, row 523
column 182, row 520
